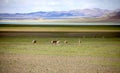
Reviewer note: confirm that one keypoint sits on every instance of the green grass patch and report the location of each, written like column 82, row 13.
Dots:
column 56, row 27
column 100, row 47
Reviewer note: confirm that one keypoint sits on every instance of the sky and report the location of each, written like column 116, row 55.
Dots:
column 27, row 6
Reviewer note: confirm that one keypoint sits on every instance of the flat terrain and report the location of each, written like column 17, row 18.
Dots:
column 60, row 28
column 92, row 55
column 98, row 52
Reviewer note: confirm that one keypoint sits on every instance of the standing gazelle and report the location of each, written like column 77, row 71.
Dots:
column 79, row 41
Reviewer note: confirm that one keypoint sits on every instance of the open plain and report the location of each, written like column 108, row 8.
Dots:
column 97, row 52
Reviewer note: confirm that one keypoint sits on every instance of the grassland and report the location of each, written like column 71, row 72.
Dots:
column 104, row 47
column 60, row 28
column 93, row 55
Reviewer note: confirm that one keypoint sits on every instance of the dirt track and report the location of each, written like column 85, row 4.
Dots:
column 13, row 63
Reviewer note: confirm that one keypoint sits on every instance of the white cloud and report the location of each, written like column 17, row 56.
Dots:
column 55, row 5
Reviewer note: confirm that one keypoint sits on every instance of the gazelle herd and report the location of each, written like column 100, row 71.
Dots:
column 55, row 42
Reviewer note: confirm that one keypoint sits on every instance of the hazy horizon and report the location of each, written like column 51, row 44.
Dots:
column 26, row 6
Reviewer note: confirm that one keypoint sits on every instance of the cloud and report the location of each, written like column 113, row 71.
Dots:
column 55, row 5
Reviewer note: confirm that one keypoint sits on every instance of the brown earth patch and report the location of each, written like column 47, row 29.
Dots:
column 24, row 63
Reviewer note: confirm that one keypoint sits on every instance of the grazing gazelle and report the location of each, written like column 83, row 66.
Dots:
column 34, row 41
column 65, row 42
column 55, row 41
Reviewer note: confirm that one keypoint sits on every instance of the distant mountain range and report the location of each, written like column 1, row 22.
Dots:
column 78, row 13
